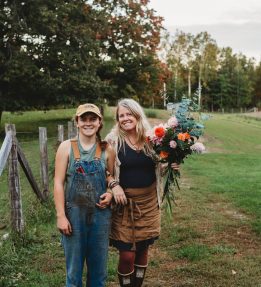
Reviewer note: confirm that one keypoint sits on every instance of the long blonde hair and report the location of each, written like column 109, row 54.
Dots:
column 142, row 123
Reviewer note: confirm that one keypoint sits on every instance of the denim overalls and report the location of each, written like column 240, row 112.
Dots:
column 90, row 225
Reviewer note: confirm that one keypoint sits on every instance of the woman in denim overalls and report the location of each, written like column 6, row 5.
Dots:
column 83, row 213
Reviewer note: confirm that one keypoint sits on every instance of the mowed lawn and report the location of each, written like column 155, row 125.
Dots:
column 232, row 164
column 213, row 238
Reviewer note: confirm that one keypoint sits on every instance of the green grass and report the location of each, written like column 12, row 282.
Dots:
column 193, row 252
column 234, row 170
column 157, row 113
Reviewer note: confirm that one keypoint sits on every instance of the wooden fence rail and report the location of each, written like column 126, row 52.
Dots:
column 12, row 151
column 5, row 150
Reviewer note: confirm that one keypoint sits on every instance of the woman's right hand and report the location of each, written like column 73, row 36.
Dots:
column 119, row 195
column 64, row 225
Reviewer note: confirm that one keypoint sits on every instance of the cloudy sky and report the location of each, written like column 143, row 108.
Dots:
column 233, row 23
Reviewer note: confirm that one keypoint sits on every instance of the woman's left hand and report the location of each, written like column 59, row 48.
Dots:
column 105, row 200
column 175, row 166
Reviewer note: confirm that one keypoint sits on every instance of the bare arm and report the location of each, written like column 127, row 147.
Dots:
column 118, row 192
column 61, row 163
column 105, row 198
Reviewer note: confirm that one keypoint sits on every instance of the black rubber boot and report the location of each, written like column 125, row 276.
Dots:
column 139, row 274
column 126, row 280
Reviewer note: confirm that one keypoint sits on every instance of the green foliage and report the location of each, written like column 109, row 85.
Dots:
column 52, row 54
column 186, row 121
column 64, row 52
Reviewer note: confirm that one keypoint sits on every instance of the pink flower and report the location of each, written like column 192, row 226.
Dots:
column 172, row 144
column 173, row 122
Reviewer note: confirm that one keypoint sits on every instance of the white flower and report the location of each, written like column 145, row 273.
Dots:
column 68, row 42
column 198, row 147
column 172, row 144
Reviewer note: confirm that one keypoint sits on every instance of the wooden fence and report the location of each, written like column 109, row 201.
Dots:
column 12, row 153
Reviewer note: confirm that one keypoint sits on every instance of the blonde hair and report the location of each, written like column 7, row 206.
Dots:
column 142, row 123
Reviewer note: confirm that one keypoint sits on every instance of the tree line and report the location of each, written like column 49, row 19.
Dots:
column 222, row 79
column 60, row 53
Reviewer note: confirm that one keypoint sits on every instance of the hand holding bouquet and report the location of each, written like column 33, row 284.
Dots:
column 174, row 141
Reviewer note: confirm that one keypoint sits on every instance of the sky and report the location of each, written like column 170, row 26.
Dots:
column 232, row 23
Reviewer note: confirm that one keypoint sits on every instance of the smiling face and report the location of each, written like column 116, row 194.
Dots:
column 126, row 119
column 88, row 124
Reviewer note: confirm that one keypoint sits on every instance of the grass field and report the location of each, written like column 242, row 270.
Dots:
column 213, row 239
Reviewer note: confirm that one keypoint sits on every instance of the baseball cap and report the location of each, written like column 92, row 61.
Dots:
column 88, row 108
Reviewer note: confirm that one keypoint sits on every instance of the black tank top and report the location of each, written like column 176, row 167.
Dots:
column 137, row 170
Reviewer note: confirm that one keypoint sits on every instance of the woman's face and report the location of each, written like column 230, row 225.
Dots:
column 127, row 121
column 88, row 124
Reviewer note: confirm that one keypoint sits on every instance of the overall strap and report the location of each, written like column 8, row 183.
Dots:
column 98, row 151
column 76, row 152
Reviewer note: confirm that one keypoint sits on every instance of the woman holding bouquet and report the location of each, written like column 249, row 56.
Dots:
column 136, row 215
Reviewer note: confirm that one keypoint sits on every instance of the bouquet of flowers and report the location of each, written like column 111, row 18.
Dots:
column 174, row 141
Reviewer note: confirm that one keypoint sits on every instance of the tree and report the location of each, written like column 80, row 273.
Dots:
column 257, row 87
column 206, row 57
column 62, row 52
column 49, row 55
column 130, row 42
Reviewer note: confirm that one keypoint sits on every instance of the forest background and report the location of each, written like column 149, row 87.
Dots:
column 60, row 53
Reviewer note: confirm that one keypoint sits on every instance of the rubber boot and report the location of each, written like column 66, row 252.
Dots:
column 126, row 280
column 139, row 274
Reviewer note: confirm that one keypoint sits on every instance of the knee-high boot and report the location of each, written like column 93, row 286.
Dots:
column 139, row 274
column 126, row 280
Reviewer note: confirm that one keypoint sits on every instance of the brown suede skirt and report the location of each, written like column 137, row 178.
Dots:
column 139, row 220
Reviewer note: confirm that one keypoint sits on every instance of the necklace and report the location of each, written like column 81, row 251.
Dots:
column 134, row 145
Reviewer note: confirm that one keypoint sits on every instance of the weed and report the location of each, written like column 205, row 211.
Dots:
column 193, row 252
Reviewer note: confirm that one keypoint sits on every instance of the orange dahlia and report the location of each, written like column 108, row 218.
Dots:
column 159, row 132
column 164, row 154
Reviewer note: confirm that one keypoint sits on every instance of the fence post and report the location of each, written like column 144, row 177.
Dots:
column 44, row 160
column 60, row 134
column 17, row 220
column 72, row 131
